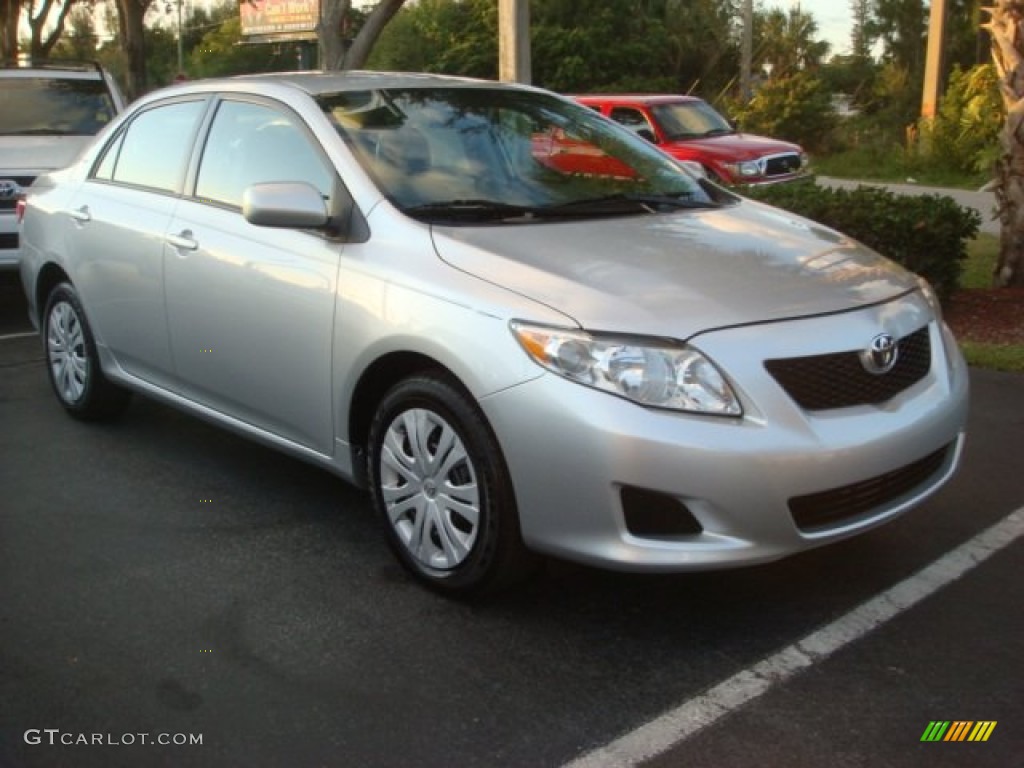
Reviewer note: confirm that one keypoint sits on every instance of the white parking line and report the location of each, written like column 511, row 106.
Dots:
column 18, row 335
column 679, row 724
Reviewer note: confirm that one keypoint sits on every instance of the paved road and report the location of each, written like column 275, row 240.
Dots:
column 983, row 202
column 160, row 576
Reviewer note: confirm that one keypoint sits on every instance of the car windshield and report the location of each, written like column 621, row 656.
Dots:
column 49, row 106
column 501, row 154
column 690, row 120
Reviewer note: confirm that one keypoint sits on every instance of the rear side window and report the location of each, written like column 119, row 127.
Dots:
column 154, row 150
column 53, row 106
column 631, row 118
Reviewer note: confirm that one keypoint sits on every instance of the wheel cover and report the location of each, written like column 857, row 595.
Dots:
column 65, row 350
column 429, row 488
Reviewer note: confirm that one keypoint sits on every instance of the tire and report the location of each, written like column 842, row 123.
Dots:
column 72, row 363
column 442, row 490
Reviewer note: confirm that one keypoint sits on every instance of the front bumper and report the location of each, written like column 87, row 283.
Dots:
column 9, row 254
column 571, row 450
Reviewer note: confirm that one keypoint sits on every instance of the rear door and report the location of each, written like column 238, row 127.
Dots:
column 119, row 217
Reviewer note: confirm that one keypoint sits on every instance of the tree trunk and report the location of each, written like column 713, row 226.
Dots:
column 46, row 33
column 337, row 50
column 1006, row 28
column 359, row 51
column 131, row 34
column 10, row 10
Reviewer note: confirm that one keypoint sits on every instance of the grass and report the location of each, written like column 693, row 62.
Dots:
column 996, row 357
column 982, row 253
column 868, row 164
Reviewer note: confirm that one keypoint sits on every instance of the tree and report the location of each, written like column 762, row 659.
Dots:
column 901, row 26
column 131, row 34
column 46, row 20
column 795, row 107
column 1005, row 25
column 786, row 42
column 338, row 49
column 79, row 41
column 10, row 13
column 218, row 52
column 454, row 37
column 861, row 36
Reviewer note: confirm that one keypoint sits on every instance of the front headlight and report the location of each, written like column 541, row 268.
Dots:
column 748, row 169
column 652, row 374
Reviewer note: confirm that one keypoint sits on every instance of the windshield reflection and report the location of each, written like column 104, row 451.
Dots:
column 432, row 151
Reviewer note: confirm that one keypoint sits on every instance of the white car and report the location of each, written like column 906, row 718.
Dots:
column 50, row 112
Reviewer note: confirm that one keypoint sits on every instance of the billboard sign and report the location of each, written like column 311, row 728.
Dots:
column 281, row 19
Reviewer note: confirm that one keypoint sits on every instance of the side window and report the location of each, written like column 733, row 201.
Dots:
column 105, row 170
column 254, row 143
column 631, row 118
column 153, row 152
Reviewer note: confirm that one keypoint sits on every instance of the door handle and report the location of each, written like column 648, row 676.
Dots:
column 183, row 241
column 81, row 214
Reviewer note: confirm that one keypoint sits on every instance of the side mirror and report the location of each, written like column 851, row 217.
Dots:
column 286, row 205
column 648, row 134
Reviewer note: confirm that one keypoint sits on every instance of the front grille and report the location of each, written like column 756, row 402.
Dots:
column 8, row 240
column 839, row 380
column 782, row 165
column 10, row 203
column 818, row 511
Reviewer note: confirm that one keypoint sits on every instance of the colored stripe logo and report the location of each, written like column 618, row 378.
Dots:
column 958, row 730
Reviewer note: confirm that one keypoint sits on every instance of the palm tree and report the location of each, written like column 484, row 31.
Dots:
column 787, row 43
column 1008, row 55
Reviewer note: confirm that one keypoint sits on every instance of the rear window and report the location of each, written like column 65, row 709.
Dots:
column 48, row 106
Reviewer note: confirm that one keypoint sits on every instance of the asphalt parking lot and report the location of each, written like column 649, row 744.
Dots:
column 160, row 577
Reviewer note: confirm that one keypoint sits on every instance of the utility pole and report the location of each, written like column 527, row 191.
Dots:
column 514, row 41
column 933, row 61
column 181, row 58
column 747, row 51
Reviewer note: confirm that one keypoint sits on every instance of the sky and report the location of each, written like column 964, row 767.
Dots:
column 833, row 16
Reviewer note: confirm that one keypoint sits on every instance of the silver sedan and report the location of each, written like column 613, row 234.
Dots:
column 525, row 330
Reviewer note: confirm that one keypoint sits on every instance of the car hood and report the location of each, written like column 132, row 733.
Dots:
column 678, row 274
column 734, row 147
column 34, row 154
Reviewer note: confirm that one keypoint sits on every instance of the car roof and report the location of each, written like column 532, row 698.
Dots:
column 70, row 70
column 635, row 98
column 317, row 82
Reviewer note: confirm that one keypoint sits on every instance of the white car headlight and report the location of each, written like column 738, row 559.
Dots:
column 641, row 370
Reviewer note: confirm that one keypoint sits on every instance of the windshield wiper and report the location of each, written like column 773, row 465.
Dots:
column 718, row 132
column 628, row 202
column 472, row 210
column 608, row 205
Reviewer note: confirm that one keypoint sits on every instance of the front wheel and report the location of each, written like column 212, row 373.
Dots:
column 441, row 488
column 72, row 362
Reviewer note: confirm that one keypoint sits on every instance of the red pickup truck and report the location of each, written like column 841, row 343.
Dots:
column 690, row 129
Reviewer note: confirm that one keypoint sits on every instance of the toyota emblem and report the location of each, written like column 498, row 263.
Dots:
column 9, row 189
column 881, row 354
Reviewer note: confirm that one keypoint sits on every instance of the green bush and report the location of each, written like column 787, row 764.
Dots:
column 964, row 135
column 795, row 108
column 927, row 234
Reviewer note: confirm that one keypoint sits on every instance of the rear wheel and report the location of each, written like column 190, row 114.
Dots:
column 71, row 360
column 441, row 488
